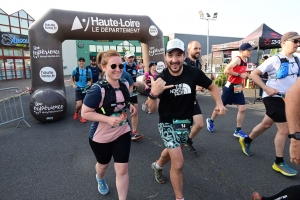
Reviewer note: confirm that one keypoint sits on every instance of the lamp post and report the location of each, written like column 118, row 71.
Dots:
column 207, row 18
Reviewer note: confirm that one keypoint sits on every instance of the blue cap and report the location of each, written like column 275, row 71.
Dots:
column 152, row 63
column 246, row 46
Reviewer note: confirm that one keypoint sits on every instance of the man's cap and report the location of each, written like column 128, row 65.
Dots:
column 93, row 58
column 246, row 46
column 175, row 44
column 152, row 63
column 129, row 54
column 290, row 36
column 81, row 59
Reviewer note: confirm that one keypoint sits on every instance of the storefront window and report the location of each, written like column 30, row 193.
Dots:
column 4, row 28
column 112, row 47
column 26, row 53
column 105, row 48
column 8, row 51
column 23, row 14
column 4, row 20
column 119, row 49
column 132, row 49
column 138, row 49
column 17, row 52
column 92, row 48
column 15, row 30
column 2, row 72
column 14, row 21
column 99, row 48
column 1, row 51
column 24, row 23
column 24, row 32
column 30, row 22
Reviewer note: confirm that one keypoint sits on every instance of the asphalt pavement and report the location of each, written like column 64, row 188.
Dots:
column 54, row 160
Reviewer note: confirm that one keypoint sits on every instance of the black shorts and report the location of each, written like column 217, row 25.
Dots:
column 275, row 108
column 134, row 100
column 197, row 109
column 79, row 96
column 119, row 149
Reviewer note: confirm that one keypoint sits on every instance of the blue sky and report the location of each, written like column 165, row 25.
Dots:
column 236, row 18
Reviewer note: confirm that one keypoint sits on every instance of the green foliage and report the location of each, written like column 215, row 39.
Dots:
column 221, row 80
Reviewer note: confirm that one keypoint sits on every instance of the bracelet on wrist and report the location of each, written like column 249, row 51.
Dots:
column 152, row 96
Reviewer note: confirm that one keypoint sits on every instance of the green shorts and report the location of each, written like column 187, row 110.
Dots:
column 170, row 138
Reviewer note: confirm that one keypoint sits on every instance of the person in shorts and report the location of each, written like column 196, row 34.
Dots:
column 279, row 81
column 110, row 134
column 173, row 94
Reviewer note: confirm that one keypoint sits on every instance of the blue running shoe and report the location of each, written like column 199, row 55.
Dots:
column 102, row 186
column 284, row 169
column 239, row 134
column 210, row 125
column 245, row 147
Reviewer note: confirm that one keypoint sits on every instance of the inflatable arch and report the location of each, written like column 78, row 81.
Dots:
column 48, row 101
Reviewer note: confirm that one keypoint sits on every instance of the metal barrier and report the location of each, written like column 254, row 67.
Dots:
column 11, row 107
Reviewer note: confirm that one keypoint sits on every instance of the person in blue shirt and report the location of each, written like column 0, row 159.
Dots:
column 96, row 71
column 81, row 79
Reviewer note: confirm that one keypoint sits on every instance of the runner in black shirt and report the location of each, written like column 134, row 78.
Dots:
column 173, row 94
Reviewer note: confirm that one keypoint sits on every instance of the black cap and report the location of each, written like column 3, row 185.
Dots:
column 81, row 59
column 93, row 58
column 152, row 63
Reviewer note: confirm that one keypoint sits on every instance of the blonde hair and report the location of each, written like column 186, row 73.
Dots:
column 103, row 57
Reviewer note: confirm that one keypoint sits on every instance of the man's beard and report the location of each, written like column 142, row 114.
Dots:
column 195, row 56
column 129, row 64
column 169, row 66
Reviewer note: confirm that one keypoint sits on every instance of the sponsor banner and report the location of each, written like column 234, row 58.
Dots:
column 111, row 25
column 13, row 40
column 153, row 51
column 38, row 52
column 40, row 108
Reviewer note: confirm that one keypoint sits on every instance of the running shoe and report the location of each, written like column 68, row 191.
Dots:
column 136, row 136
column 210, row 125
column 102, row 186
column 144, row 107
column 75, row 116
column 245, row 147
column 284, row 169
column 158, row 174
column 239, row 134
column 190, row 147
column 256, row 196
column 82, row 120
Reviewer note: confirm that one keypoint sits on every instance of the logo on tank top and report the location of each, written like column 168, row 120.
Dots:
column 181, row 89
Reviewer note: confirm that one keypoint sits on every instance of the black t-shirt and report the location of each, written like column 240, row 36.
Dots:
column 178, row 102
column 193, row 63
column 95, row 72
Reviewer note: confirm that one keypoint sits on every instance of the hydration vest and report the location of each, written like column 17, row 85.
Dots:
column 76, row 77
column 283, row 70
column 110, row 99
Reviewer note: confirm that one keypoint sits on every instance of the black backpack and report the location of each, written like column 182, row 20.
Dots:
column 76, row 77
column 110, row 100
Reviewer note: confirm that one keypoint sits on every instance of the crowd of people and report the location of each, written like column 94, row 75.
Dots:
column 173, row 94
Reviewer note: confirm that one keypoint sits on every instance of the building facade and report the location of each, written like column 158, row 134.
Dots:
column 14, row 45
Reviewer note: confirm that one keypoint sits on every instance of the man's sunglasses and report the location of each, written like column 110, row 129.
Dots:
column 295, row 41
column 114, row 66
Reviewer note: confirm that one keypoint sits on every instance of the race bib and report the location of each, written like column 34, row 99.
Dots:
column 182, row 126
column 238, row 88
column 122, row 115
column 134, row 71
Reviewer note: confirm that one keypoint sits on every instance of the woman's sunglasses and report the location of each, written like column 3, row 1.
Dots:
column 114, row 66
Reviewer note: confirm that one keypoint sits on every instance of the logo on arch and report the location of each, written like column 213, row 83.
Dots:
column 50, row 26
column 153, row 30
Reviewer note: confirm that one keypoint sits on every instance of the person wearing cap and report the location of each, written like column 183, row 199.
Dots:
column 96, row 71
column 81, row 78
column 173, row 94
column 131, row 67
column 194, row 51
column 273, row 98
column 147, row 82
column 233, row 89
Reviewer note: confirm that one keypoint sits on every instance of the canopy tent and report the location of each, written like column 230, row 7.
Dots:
column 262, row 38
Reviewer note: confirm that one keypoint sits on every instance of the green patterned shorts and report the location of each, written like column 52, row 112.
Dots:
column 170, row 138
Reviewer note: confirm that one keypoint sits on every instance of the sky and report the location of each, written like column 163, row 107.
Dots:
column 236, row 18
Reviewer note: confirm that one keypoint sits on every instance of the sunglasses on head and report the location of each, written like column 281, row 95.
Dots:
column 114, row 66
column 295, row 41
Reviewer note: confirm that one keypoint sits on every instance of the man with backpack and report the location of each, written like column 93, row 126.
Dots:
column 81, row 79
column 131, row 67
column 283, row 70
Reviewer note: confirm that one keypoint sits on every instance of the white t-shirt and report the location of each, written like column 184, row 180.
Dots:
column 271, row 66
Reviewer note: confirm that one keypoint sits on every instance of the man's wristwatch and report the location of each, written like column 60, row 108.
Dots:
column 295, row 135
column 239, row 75
column 152, row 96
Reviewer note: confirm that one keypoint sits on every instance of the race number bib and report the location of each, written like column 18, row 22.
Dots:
column 182, row 126
column 122, row 115
column 238, row 88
